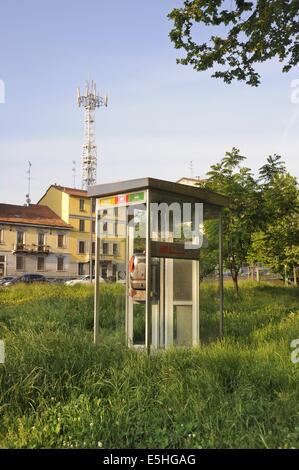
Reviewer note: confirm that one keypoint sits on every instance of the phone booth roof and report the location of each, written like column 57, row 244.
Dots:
column 168, row 189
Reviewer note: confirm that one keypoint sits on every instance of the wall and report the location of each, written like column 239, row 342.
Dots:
column 30, row 239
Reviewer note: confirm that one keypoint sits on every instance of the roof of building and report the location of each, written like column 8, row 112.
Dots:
column 197, row 193
column 71, row 191
column 33, row 214
column 192, row 181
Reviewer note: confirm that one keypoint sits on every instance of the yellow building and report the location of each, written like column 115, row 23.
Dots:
column 33, row 239
column 75, row 208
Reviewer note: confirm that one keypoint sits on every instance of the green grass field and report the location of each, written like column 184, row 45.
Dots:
column 59, row 391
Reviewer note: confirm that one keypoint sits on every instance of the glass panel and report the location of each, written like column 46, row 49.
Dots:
column 182, row 279
column 139, row 323
column 182, row 325
column 139, row 230
column 178, row 221
column 113, row 243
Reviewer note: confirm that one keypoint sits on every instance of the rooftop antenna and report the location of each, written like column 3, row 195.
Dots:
column 90, row 100
column 28, row 200
column 74, row 173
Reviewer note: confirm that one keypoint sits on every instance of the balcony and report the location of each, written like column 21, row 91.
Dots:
column 41, row 249
column 31, row 249
column 21, row 248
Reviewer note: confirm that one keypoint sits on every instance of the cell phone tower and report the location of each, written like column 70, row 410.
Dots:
column 89, row 101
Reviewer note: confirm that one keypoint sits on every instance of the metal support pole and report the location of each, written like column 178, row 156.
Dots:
column 96, row 285
column 221, row 323
column 295, row 276
column 148, row 310
column 90, row 243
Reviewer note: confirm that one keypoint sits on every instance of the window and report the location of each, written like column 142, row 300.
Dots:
column 20, row 239
column 20, row 263
column 41, row 239
column 105, row 226
column 115, row 249
column 1, row 235
column 105, row 248
column 93, row 205
column 60, row 263
column 93, row 226
column 93, row 248
column 81, row 204
column 80, row 269
column 81, row 247
column 40, row 263
column 82, row 225
column 115, row 225
column 60, row 240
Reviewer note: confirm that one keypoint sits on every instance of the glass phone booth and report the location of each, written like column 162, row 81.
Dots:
column 149, row 236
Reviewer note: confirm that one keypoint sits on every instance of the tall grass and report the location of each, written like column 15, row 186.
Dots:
column 58, row 390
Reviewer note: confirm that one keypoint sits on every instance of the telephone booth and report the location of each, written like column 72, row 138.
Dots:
column 149, row 236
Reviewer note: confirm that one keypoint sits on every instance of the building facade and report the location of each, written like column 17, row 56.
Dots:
column 75, row 208
column 33, row 239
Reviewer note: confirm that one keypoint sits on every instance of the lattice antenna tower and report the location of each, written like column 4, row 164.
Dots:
column 90, row 100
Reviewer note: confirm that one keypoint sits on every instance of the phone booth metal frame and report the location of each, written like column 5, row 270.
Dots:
column 161, row 258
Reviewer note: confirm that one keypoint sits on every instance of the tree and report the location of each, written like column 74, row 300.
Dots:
column 251, row 32
column 274, row 166
column 276, row 244
column 240, row 219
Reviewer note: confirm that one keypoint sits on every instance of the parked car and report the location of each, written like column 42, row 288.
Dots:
column 82, row 280
column 56, row 280
column 5, row 279
column 27, row 278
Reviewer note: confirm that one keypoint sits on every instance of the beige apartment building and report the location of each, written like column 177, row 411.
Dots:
column 33, row 239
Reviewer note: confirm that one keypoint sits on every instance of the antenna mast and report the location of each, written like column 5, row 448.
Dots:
column 74, row 173
column 191, row 169
column 28, row 200
column 89, row 101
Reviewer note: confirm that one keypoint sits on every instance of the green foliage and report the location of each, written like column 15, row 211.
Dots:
column 59, row 391
column 276, row 243
column 249, row 33
column 240, row 219
column 261, row 222
column 274, row 166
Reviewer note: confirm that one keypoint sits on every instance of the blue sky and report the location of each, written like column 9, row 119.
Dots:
column 160, row 115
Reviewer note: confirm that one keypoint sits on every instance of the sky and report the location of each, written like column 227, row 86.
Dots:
column 160, row 116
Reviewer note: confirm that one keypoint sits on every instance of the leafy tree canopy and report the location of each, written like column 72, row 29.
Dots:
column 252, row 32
column 276, row 244
column 231, row 178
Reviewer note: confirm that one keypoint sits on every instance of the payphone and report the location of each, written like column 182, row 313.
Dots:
column 158, row 226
